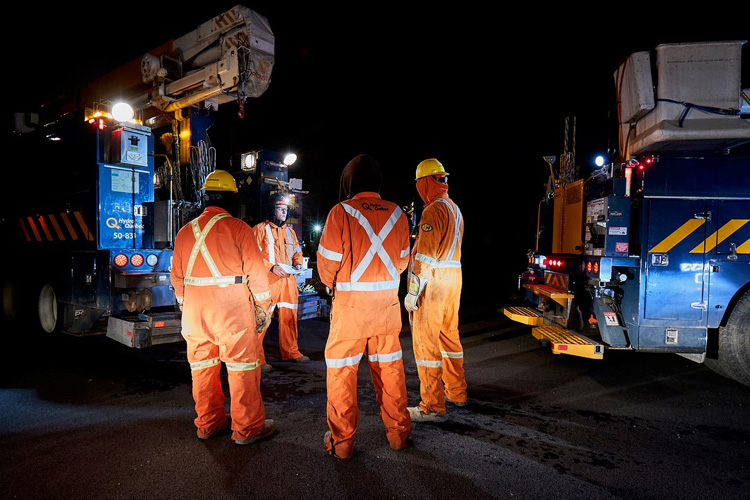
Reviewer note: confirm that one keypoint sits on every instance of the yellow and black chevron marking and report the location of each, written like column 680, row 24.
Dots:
column 709, row 243
column 48, row 228
column 557, row 280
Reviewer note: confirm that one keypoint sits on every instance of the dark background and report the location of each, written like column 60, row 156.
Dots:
column 485, row 90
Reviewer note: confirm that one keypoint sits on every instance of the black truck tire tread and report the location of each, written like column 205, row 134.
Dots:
column 734, row 343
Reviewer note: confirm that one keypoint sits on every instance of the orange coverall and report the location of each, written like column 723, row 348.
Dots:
column 436, row 259
column 280, row 245
column 363, row 250
column 218, row 277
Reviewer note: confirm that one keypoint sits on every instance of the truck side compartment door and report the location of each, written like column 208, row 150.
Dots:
column 729, row 255
column 675, row 260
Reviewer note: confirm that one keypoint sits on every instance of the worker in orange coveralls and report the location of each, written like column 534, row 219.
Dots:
column 222, row 288
column 280, row 247
column 363, row 250
column 433, row 296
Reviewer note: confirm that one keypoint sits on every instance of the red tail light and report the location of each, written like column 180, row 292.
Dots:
column 121, row 260
column 136, row 259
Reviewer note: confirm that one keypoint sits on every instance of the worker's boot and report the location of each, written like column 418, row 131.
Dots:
column 456, row 403
column 417, row 415
column 268, row 430
column 215, row 431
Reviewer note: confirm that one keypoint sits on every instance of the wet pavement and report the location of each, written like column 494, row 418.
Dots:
column 89, row 418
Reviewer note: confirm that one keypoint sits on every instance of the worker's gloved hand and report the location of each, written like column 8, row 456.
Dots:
column 262, row 319
column 410, row 302
column 329, row 292
column 416, row 287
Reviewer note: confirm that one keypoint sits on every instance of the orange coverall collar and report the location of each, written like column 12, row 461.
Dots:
column 215, row 210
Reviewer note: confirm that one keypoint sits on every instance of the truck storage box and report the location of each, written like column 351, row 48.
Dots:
column 633, row 79
column 694, row 82
column 309, row 305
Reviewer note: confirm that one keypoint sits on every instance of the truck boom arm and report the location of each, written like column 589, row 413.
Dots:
column 230, row 57
column 233, row 52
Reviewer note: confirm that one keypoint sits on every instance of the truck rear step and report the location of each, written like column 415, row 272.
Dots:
column 145, row 330
column 563, row 341
column 559, row 296
column 525, row 315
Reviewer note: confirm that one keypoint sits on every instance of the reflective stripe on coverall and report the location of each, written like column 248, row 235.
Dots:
column 218, row 320
column 436, row 258
column 363, row 249
column 280, row 245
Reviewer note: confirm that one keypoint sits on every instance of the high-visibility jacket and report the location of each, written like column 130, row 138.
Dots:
column 436, row 259
column 279, row 245
column 218, row 277
column 363, row 250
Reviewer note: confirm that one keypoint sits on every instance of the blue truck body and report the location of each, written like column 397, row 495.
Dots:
column 651, row 253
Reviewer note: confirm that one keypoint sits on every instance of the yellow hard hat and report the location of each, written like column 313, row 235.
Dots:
column 430, row 167
column 220, row 180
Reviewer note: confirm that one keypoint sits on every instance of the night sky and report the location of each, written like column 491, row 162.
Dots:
column 483, row 90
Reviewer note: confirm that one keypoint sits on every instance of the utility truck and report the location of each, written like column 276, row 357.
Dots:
column 651, row 252
column 96, row 198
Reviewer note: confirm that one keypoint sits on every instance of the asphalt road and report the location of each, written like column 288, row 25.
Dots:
column 88, row 418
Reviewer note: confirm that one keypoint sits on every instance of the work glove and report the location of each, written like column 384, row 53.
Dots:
column 416, row 287
column 410, row 302
column 262, row 319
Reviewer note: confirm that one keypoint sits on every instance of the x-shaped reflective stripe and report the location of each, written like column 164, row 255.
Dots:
column 200, row 245
column 376, row 242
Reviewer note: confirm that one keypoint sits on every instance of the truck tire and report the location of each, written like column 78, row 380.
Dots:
column 10, row 301
column 48, row 310
column 733, row 360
